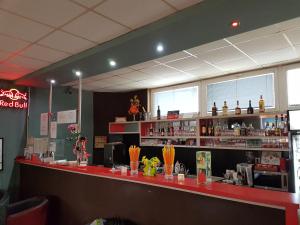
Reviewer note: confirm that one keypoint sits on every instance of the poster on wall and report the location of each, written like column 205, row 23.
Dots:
column 100, row 141
column 44, row 124
column 53, row 129
column 1, row 153
column 68, row 116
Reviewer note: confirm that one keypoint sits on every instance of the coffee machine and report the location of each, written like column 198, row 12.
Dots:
column 114, row 154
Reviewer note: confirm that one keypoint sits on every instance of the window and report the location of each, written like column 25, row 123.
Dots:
column 293, row 84
column 183, row 99
column 243, row 89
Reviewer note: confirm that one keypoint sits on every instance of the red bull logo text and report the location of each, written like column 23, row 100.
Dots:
column 13, row 98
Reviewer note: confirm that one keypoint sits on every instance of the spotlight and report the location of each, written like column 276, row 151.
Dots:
column 235, row 23
column 112, row 63
column 78, row 73
column 52, row 81
column 159, row 48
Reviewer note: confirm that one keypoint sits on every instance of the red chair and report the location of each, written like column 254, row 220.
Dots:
column 31, row 211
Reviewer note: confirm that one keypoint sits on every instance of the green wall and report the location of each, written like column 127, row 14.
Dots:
column 13, row 127
column 13, row 130
column 63, row 99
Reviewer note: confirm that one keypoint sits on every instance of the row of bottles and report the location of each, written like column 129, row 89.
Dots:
column 279, row 128
column 175, row 128
column 238, row 110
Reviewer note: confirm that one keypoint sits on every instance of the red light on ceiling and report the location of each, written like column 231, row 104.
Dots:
column 235, row 23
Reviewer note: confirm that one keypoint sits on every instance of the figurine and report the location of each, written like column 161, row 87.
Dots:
column 134, row 106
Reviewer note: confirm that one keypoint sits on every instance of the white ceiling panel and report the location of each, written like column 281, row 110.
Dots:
column 66, row 42
column 160, row 71
column 53, row 12
column 135, row 76
column 3, row 55
column 181, row 4
column 21, row 28
column 135, row 13
column 208, row 47
column 277, row 56
column 29, row 63
column 204, row 69
column 116, row 80
column 88, row 3
column 121, row 71
column 99, row 28
column 144, row 65
column 11, row 72
column 186, row 64
column 173, row 57
column 294, row 35
column 44, row 53
column 238, row 64
column 11, row 44
column 222, row 54
column 264, row 44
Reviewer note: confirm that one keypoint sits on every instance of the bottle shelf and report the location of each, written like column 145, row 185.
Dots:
column 245, row 148
column 162, row 145
column 244, row 115
column 169, row 137
column 245, row 137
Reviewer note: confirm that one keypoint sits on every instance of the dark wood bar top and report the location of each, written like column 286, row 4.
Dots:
column 288, row 202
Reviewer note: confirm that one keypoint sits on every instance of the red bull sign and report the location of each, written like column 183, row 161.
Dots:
column 13, row 98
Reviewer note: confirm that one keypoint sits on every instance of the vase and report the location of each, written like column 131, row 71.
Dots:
column 168, row 171
column 134, row 165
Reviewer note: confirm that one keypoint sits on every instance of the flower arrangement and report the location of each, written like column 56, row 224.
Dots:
column 79, row 143
column 150, row 166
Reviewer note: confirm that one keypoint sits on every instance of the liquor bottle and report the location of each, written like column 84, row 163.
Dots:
column 203, row 130
column 285, row 127
column 261, row 104
column 250, row 108
column 225, row 109
column 162, row 132
column 158, row 113
column 277, row 129
column 151, row 130
column 238, row 110
column 267, row 129
column 214, row 110
column 210, row 129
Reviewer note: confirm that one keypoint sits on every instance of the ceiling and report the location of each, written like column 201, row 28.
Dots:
column 264, row 47
column 37, row 33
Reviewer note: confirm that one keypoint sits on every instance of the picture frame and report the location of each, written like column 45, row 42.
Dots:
column 1, row 153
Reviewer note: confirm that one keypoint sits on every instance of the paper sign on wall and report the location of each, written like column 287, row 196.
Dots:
column 40, row 145
column 100, row 141
column 53, row 129
column 44, row 124
column 68, row 116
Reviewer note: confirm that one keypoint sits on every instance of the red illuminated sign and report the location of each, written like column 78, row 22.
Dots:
column 13, row 98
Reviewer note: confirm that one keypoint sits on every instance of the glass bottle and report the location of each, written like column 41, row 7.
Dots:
column 250, row 108
column 214, row 110
column 203, row 130
column 151, row 130
column 238, row 110
column 225, row 109
column 250, row 130
column 210, row 129
column 158, row 113
column 261, row 104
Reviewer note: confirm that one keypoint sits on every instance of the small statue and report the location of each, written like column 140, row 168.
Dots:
column 80, row 150
column 134, row 106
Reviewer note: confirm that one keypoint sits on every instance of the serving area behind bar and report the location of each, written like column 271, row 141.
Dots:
column 139, row 112
column 93, row 190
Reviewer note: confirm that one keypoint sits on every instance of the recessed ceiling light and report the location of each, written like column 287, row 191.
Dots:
column 235, row 23
column 159, row 48
column 78, row 73
column 112, row 63
column 52, row 81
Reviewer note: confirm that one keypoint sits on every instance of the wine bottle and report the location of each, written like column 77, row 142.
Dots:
column 158, row 113
column 203, row 130
column 214, row 110
column 238, row 110
column 261, row 104
column 151, row 130
column 210, row 129
column 225, row 109
column 250, row 108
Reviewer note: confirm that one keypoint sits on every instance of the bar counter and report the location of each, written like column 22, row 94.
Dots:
column 261, row 205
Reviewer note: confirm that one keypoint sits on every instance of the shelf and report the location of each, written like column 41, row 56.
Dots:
column 126, row 122
column 162, row 145
column 169, row 137
column 124, row 132
column 270, row 172
column 244, row 137
column 170, row 120
column 258, row 115
column 246, row 149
